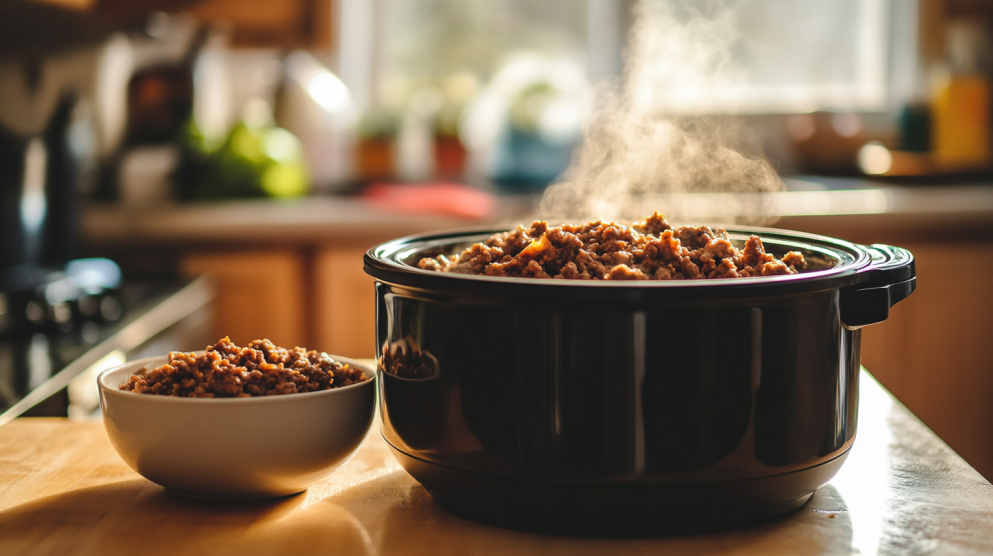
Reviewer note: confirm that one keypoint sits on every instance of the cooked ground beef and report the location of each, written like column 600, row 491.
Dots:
column 646, row 250
column 229, row 371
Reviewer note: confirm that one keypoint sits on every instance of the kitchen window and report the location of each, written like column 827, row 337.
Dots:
column 775, row 56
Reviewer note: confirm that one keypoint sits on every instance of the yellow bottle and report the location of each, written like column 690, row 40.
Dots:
column 962, row 123
column 961, row 105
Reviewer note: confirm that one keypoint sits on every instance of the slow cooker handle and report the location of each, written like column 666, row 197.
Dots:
column 889, row 278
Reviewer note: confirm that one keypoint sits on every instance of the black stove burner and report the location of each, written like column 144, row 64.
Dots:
column 44, row 299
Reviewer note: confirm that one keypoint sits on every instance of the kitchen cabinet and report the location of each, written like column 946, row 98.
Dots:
column 260, row 23
column 260, row 294
column 288, row 270
column 318, row 298
column 344, row 304
column 932, row 353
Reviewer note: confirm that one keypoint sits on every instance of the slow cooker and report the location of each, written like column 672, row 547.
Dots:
column 627, row 407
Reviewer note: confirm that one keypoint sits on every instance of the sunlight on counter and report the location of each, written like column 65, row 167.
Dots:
column 863, row 481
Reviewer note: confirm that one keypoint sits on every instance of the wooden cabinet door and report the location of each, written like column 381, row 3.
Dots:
column 260, row 294
column 345, row 303
column 932, row 351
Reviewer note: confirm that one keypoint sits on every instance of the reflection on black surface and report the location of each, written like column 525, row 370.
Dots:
column 697, row 393
column 736, row 389
column 803, row 337
column 410, row 376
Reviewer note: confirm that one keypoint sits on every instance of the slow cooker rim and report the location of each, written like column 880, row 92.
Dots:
column 380, row 258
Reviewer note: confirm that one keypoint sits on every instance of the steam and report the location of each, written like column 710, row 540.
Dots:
column 654, row 133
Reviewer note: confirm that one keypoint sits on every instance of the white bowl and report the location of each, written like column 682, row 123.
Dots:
column 235, row 448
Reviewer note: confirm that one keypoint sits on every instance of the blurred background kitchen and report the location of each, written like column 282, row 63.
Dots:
column 145, row 144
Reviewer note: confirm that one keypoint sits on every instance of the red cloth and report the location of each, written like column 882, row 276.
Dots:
column 432, row 198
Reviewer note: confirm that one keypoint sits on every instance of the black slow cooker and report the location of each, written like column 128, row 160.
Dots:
column 627, row 407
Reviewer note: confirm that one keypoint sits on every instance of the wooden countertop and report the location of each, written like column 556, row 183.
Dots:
column 63, row 490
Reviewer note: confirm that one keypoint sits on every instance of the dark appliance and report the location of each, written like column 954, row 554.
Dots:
column 618, row 408
column 43, row 286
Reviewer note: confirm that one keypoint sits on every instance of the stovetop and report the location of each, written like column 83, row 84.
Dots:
column 35, row 364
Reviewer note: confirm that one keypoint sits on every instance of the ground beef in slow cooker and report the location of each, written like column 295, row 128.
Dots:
column 646, row 250
column 229, row 371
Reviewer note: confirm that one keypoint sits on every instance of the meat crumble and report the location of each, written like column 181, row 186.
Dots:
column 646, row 250
column 228, row 371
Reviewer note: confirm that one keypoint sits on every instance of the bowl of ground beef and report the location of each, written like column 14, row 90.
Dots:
column 629, row 378
column 238, row 423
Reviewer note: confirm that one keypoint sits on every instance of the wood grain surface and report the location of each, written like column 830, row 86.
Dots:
column 63, row 490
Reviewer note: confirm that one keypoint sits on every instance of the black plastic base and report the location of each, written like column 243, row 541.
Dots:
column 599, row 509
